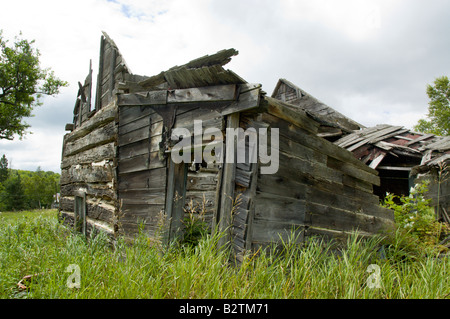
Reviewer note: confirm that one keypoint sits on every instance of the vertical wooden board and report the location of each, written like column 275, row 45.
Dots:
column 175, row 197
column 227, row 186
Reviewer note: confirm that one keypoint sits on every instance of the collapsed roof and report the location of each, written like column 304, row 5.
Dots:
column 372, row 145
column 332, row 123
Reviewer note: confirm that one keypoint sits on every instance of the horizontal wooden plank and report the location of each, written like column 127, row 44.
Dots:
column 208, row 93
column 143, row 196
column 144, row 179
column 144, row 98
column 279, row 208
column 342, row 220
column 140, row 147
column 140, row 163
column 353, row 171
column 293, row 115
column 246, row 101
column 128, row 114
column 265, row 232
column 286, row 186
column 200, row 181
column 140, row 134
column 310, row 140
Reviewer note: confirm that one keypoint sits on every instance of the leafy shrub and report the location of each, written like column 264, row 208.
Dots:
column 414, row 214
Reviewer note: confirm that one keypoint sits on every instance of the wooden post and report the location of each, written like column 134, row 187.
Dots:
column 224, row 217
column 175, row 198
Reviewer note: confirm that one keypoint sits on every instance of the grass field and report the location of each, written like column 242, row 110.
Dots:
column 36, row 243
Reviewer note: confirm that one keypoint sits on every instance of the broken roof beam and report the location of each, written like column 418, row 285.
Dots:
column 200, row 72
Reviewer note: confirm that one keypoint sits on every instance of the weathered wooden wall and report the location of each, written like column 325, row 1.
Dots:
column 141, row 173
column 319, row 189
column 438, row 192
column 89, row 155
column 88, row 166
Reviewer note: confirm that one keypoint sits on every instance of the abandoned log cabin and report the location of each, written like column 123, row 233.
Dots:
column 403, row 158
column 120, row 168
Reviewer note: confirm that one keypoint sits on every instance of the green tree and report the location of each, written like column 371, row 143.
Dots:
column 13, row 195
column 22, row 84
column 438, row 121
column 3, row 169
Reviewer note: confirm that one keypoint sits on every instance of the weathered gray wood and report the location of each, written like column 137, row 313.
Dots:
column 246, row 101
column 309, row 140
column 140, row 134
column 209, row 94
column 353, row 171
column 143, row 179
column 268, row 231
column 140, row 163
column 140, row 147
column 133, row 113
column 144, row 98
column 279, row 208
column 325, row 216
column 97, row 154
column 99, row 93
column 100, row 212
column 175, row 197
column 295, row 116
column 87, row 174
column 100, row 118
column 224, row 217
column 102, row 135
column 99, row 190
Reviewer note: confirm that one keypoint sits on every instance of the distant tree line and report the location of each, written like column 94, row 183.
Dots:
column 20, row 189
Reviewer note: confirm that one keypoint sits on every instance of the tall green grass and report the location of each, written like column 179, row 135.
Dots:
column 316, row 269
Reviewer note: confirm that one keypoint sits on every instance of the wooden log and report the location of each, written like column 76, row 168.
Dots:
column 100, row 118
column 99, row 190
column 87, row 174
column 102, row 135
column 97, row 154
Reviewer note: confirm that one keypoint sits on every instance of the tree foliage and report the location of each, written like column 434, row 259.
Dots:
column 28, row 190
column 438, row 118
column 22, row 84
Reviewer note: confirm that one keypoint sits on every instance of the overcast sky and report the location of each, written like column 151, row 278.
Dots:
column 370, row 60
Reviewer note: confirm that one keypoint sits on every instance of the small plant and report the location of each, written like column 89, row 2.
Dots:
column 195, row 226
column 415, row 215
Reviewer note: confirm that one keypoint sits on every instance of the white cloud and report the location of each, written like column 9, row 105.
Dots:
column 371, row 60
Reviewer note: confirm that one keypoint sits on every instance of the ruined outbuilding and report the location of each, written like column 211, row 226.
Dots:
column 118, row 170
column 403, row 158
